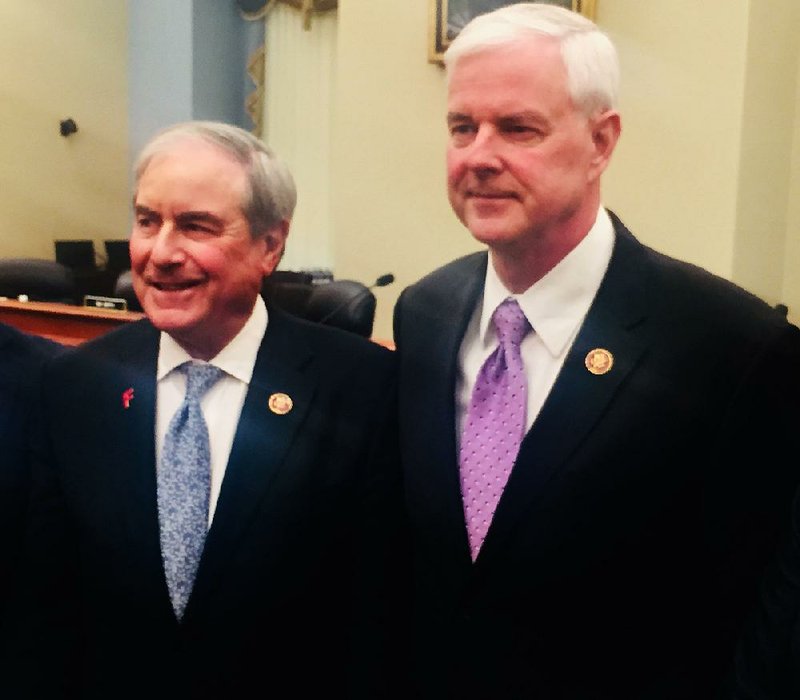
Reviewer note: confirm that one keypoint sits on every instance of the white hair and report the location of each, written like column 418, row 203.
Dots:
column 271, row 194
column 589, row 56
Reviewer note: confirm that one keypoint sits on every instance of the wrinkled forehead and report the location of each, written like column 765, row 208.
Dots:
column 532, row 69
column 195, row 163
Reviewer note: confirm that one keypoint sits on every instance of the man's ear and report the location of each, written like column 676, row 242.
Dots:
column 275, row 243
column 606, row 128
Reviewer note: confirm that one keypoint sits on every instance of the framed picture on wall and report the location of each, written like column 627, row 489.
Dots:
column 448, row 18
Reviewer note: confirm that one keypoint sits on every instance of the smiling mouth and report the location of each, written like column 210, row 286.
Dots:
column 173, row 286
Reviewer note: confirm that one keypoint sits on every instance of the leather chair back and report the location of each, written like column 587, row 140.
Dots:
column 345, row 304
column 38, row 278
column 123, row 289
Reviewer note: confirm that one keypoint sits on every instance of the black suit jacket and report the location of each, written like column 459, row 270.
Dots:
column 643, row 503
column 768, row 659
column 21, row 358
column 292, row 582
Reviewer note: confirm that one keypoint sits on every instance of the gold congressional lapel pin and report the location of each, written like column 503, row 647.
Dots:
column 599, row 361
column 280, row 403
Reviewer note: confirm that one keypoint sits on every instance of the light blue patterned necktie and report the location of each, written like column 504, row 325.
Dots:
column 184, row 486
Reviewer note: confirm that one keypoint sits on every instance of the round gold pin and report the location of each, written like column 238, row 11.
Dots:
column 280, row 403
column 599, row 361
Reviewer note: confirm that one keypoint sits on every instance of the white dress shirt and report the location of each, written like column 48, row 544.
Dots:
column 222, row 403
column 555, row 306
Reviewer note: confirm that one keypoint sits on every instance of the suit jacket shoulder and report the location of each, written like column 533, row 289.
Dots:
column 21, row 351
column 454, row 271
column 448, row 279
column 442, row 299
column 122, row 343
column 22, row 358
column 686, row 291
column 331, row 345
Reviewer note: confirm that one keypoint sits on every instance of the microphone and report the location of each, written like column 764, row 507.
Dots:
column 382, row 281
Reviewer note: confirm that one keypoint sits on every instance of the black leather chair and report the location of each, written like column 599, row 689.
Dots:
column 38, row 278
column 123, row 289
column 90, row 278
column 345, row 304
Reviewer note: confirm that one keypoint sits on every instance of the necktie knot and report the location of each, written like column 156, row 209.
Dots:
column 510, row 323
column 199, row 379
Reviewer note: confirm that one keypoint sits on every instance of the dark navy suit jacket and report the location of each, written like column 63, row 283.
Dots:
column 768, row 660
column 644, row 502
column 21, row 358
column 290, row 599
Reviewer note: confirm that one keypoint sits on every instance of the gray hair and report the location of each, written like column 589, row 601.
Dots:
column 589, row 56
column 271, row 196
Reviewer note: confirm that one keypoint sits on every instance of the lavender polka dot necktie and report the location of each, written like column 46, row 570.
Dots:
column 184, row 486
column 495, row 424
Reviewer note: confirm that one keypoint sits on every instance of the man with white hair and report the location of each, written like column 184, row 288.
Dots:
column 593, row 434
column 215, row 497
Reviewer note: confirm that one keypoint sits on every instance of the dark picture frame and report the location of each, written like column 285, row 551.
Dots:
column 449, row 16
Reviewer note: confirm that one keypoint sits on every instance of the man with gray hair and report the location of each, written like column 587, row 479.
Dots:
column 215, row 493
column 592, row 434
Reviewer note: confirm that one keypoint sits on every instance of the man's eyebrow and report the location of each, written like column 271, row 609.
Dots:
column 198, row 216
column 525, row 115
column 141, row 209
column 457, row 117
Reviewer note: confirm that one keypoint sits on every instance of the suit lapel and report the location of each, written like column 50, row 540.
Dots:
column 431, row 353
column 262, row 445
column 133, row 409
column 129, row 404
column 579, row 398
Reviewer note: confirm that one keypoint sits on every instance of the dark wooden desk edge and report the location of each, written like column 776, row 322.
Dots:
column 70, row 325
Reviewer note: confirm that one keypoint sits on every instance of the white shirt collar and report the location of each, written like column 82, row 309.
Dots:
column 237, row 358
column 556, row 305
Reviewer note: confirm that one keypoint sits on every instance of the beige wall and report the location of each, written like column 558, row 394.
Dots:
column 704, row 170
column 391, row 211
column 673, row 179
column 62, row 59
column 708, row 168
column 791, row 260
column 768, row 126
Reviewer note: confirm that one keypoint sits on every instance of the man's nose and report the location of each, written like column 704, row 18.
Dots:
column 167, row 246
column 485, row 150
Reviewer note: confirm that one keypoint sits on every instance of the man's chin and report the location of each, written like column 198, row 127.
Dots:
column 490, row 232
column 169, row 320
